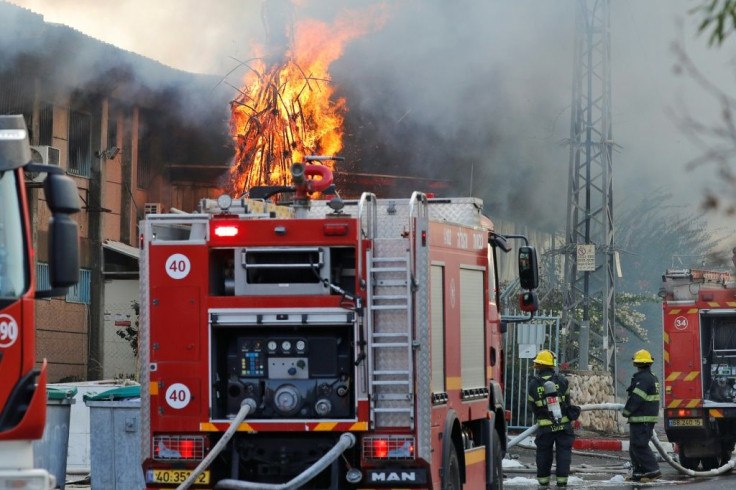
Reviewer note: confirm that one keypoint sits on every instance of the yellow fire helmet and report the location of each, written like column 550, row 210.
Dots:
column 545, row 358
column 643, row 357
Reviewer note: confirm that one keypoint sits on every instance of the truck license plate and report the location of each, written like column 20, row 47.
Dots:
column 686, row 422
column 175, row 476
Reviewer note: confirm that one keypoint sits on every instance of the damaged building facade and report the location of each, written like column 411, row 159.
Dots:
column 136, row 137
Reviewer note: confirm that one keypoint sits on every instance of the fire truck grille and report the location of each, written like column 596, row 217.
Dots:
column 393, row 447
column 174, row 447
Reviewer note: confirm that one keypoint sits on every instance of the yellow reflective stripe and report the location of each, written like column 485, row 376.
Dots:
column 673, row 375
column 715, row 413
column 546, row 422
column 475, row 455
column 692, row 375
column 325, row 426
column 693, row 403
column 644, row 418
column 643, row 394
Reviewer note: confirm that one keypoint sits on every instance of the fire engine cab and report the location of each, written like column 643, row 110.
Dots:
column 699, row 318
column 324, row 344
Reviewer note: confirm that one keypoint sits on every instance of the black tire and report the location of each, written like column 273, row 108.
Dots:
column 497, row 463
column 689, row 463
column 452, row 473
column 709, row 463
column 726, row 452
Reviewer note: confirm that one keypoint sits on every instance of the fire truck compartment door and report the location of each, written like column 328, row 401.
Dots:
column 176, row 310
column 683, row 349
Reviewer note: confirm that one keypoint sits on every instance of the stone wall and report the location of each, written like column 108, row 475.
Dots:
column 592, row 387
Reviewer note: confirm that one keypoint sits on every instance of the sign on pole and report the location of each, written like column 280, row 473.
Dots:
column 586, row 258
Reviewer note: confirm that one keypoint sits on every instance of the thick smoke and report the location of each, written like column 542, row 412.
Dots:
column 451, row 90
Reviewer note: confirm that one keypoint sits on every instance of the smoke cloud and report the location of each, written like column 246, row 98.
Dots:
column 474, row 92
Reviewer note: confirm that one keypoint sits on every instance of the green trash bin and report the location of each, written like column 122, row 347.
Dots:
column 115, row 443
column 50, row 452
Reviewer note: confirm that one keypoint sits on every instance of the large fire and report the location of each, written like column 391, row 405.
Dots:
column 286, row 108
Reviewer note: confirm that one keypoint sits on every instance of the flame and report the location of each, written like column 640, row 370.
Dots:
column 286, row 108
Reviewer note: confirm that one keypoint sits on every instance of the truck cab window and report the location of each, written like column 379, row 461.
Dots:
column 13, row 275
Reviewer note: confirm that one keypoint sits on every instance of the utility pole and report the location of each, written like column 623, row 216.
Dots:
column 589, row 248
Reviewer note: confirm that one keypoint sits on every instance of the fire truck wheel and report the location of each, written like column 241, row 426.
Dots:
column 497, row 483
column 689, row 463
column 709, row 463
column 452, row 476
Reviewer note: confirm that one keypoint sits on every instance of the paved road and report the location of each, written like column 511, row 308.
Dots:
column 601, row 470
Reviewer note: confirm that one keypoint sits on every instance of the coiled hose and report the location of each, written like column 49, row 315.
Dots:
column 618, row 406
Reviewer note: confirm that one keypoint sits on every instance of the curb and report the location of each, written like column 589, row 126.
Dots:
column 603, row 444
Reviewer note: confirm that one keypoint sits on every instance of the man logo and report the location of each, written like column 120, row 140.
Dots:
column 394, row 476
column 388, row 477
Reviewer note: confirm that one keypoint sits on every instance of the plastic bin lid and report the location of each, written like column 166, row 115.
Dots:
column 53, row 393
column 122, row 393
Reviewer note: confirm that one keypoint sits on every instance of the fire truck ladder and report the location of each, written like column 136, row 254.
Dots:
column 389, row 325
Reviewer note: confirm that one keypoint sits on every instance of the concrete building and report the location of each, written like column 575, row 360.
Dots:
column 136, row 136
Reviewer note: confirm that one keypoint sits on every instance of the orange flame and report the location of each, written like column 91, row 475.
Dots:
column 286, row 109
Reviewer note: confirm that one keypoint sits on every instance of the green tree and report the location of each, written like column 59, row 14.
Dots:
column 719, row 18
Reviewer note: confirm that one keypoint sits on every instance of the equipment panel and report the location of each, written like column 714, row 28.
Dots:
column 304, row 375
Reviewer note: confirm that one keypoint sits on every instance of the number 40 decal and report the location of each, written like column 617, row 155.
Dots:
column 178, row 396
column 178, row 266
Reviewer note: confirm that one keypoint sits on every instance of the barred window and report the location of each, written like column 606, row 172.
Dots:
column 144, row 158
column 46, row 124
column 80, row 292
column 80, row 143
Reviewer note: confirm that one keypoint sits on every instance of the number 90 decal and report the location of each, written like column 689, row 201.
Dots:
column 178, row 396
column 8, row 330
column 178, row 266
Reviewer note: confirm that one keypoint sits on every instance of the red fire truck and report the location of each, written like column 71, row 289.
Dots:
column 341, row 344
column 699, row 318
column 23, row 386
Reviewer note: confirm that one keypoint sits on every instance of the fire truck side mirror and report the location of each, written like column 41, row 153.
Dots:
column 528, row 272
column 528, row 301
column 63, row 201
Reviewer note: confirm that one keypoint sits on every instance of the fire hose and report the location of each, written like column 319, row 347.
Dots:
column 247, row 406
column 657, row 444
column 346, row 441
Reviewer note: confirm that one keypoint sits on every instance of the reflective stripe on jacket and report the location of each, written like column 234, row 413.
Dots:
column 643, row 402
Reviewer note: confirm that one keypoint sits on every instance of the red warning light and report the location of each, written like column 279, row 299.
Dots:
column 226, row 230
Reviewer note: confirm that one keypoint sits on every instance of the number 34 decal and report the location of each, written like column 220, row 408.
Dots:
column 178, row 266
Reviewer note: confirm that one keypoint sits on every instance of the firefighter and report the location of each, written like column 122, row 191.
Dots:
column 555, row 433
column 642, row 410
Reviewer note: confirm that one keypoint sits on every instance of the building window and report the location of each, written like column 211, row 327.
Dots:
column 80, row 144
column 17, row 98
column 46, row 124
column 112, row 131
column 144, row 157
column 42, row 277
column 80, row 293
